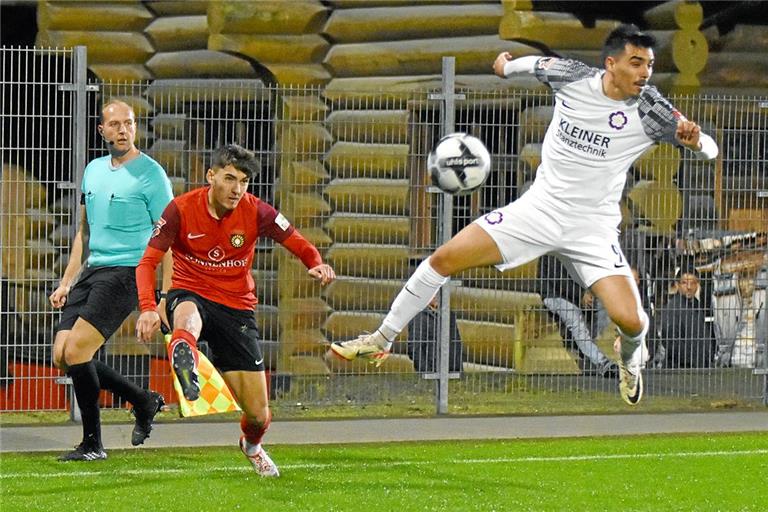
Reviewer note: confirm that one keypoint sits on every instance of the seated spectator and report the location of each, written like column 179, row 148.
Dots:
column 562, row 297
column 423, row 340
column 683, row 326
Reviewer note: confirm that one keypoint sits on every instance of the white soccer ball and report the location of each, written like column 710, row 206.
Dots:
column 459, row 163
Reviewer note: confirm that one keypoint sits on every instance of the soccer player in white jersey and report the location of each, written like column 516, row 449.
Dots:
column 603, row 120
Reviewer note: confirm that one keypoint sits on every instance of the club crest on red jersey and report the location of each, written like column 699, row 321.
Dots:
column 237, row 240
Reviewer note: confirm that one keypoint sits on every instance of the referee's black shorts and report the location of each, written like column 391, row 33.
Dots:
column 231, row 334
column 103, row 297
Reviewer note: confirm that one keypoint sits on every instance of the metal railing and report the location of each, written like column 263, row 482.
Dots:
column 348, row 168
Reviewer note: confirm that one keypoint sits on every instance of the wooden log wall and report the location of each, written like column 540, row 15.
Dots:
column 676, row 25
column 282, row 36
column 29, row 255
column 347, row 155
column 118, row 49
column 738, row 62
column 681, row 52
column 738, row 66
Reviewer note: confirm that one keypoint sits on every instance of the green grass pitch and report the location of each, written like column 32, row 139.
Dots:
column 670, row 472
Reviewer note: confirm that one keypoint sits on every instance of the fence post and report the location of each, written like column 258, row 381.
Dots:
column 79, row 123
column 444, row 328
column 79, row 142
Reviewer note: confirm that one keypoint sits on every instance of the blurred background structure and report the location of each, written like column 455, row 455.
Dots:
column 338, row 100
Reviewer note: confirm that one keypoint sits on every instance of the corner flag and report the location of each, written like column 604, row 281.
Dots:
column 215, row 396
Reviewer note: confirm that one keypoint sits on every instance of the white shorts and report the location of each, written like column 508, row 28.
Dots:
column 527, row 229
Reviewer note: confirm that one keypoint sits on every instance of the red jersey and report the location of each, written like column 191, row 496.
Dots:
column 213, row 257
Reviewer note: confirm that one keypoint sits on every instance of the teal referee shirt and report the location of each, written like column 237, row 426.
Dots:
column 122, row 205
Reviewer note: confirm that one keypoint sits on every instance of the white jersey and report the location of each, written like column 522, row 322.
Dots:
column 593, row 139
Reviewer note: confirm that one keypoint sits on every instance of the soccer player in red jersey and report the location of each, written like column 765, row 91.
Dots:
column 212, row 232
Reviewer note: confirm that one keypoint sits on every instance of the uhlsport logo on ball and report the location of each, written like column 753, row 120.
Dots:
column 459, row 163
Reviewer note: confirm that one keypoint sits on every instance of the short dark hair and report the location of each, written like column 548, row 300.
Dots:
column 238, row 157
column 623, row 35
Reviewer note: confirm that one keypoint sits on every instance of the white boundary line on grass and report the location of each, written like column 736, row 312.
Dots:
column 503, row 460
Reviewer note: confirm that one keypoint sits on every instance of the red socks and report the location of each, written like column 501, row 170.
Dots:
column 254, row 431
column 179, row 336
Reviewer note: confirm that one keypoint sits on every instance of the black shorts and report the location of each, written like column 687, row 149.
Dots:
column 231, row 334
column 103, row 297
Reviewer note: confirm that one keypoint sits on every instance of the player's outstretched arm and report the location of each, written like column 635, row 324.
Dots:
column 149, row 319
column 310, row 256
column 506, row 65
column 689, row 135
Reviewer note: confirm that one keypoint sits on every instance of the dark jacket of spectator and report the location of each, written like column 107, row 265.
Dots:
column 423, row 342
column 687, row 336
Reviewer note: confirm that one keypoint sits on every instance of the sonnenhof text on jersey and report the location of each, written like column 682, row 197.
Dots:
column 217, row 264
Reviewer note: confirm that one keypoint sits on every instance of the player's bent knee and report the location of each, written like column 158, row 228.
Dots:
column 442, row 262
column 76, row 353
column 633, row 325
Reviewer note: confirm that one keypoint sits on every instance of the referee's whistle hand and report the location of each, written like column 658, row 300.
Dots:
column 147, row 325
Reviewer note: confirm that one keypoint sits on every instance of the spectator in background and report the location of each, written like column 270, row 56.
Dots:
column 563, row 297
column 683, row 326
column 423, row 340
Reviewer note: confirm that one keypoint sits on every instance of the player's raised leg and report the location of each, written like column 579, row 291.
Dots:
column 622, row 302
column 471, row 247
column 182, row 350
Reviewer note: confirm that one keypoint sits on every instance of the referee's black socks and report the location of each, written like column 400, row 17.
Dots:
column 112, row 380
column 85, row 382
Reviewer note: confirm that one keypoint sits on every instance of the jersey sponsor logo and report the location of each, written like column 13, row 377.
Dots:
column 192, row 236
column 282, row 222
column 237, row 240
column 617, row 120
column 218, row 264
column 582, row 140
column 158, row 226
column 567, row 105
column 494, row 218
column 259, row 361
column 216, row 254
column 580, row 134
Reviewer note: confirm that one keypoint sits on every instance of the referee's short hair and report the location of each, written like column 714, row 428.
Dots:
column 108, row 103
column 238, row 157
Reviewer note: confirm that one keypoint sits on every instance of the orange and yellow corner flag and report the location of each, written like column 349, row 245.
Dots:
column 215, row 396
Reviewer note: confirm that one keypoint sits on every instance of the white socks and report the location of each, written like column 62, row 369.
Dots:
column 252, row 449
column 415, row 296
column 630, row 343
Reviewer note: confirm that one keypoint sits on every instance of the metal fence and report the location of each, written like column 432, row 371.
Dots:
column 348, row 168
